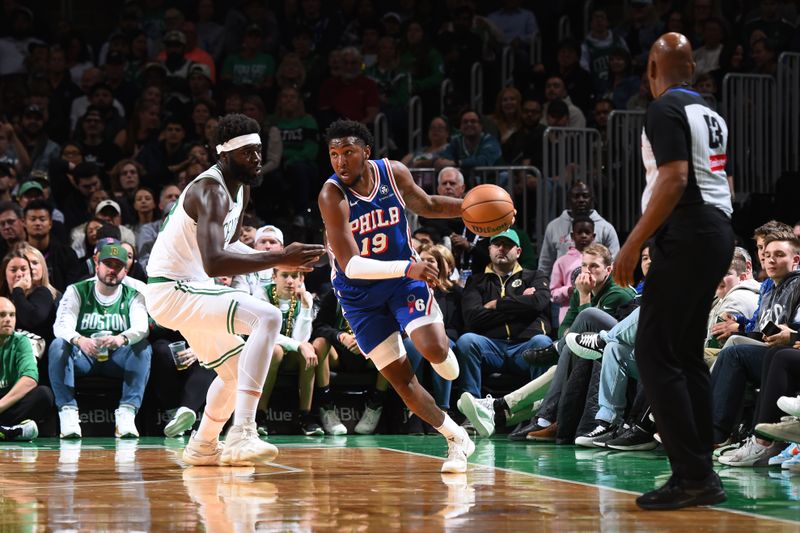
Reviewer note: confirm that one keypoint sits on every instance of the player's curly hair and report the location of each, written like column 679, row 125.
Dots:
column 349, row 128
column 234, row 125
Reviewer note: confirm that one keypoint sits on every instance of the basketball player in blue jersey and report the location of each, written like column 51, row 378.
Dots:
column 381, row 286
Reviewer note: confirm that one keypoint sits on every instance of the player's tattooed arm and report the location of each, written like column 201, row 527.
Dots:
column 420, row 202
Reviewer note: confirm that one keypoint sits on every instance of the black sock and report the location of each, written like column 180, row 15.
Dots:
column 376, row 398
column 323, row 397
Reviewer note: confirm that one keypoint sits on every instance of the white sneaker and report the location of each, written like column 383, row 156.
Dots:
column 201, row 453
column 459, row 448
column 125, row 428
column 746, row 455
column 183, row 420
column 25, row 430
column 369, row 420
column 243, row 447
column 790, row 405
column 448, row 368
column 479, row 411
column 331, row 423
column 70, row 422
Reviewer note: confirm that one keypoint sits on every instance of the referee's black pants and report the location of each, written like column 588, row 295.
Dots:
column 691, row 254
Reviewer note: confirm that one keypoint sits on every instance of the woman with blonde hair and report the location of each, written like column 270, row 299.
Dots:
column 34, row 304
column 507, row 116
column 39, row 275
column 448, row 298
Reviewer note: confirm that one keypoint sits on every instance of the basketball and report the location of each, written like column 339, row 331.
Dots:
column 487, row 210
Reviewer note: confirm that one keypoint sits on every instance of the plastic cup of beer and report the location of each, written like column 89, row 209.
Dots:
column 102, row 352
column 178, row 350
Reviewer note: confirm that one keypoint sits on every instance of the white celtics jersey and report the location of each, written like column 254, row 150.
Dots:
column 175, row 253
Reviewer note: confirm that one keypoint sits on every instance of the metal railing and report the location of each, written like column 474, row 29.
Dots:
column 625, row 177
column 445, row 89
column 415, row 127
column 789, row 110
column 536, row 49
column 519, row 181
column 750, row 109
column 476, row 87
column 380, row 130
column 507, row 67
column 569, row 155
column 564, row 28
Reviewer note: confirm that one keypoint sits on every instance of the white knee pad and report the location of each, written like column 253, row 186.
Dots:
column 388, row 351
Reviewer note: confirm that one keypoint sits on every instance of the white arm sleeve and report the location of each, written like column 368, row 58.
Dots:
column 138, row 317
column 241, row 248
column 287, row 343
column 362, row 268
column 66, row 323
column 302, row 326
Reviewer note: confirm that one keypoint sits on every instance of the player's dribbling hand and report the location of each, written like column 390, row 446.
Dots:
column 423, row 271
column 301, row 257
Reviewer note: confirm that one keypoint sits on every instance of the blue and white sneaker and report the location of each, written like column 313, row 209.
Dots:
column 794, row 461
column 788, row 453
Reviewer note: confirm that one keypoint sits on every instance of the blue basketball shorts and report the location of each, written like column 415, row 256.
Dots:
column 386, row 307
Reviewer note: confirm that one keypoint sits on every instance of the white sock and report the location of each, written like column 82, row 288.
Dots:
column 219, row 405
column 449, row 428
column 262, row 323
column 543, row 423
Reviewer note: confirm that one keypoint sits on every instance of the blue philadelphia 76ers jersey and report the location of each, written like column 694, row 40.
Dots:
column 378, row 222
column 377, row 309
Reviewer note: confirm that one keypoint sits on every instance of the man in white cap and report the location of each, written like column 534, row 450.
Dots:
column 110, row 211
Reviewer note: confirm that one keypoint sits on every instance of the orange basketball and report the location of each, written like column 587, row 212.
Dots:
column 487, row 210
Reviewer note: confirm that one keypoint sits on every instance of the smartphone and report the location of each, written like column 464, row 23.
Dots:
column 770, row 329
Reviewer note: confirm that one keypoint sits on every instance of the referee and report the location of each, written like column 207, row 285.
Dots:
column 687, row 205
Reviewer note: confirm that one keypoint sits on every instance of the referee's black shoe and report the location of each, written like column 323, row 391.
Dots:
column 676, row 494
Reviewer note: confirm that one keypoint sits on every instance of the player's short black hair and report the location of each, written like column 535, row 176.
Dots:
column 235, row 125
column 349, row 128
column 582, row 219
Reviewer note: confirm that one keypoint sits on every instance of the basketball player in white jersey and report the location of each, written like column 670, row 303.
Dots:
column 199, row 240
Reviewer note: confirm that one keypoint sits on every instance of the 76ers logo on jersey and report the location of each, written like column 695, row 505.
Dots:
column 414, row 303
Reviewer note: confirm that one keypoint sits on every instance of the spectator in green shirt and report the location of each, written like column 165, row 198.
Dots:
column 250, row 66
column 21, row 397
column 300, row 136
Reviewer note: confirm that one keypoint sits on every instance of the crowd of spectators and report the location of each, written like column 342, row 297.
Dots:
column 99, row 134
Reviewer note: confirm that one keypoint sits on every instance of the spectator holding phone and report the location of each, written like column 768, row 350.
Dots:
column 740, row 361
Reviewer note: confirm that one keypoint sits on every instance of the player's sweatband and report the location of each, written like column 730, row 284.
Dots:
column 238, row 142
column 362, row 268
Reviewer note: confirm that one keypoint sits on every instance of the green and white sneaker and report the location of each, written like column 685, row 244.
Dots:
column 24, row 431
column 182, row 420
column 479, row 411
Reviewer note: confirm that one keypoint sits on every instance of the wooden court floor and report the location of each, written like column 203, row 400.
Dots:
column 382, row 483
